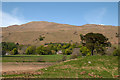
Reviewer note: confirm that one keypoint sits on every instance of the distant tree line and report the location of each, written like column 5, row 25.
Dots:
column 91, row 43
column 50, row 49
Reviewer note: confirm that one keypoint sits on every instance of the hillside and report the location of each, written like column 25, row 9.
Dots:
column 82, row 67
column 54, row 32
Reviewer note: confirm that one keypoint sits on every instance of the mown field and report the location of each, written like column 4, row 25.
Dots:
column 33, row 58
column 81, row 67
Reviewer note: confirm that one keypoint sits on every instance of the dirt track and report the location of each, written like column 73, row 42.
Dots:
column 14, row 67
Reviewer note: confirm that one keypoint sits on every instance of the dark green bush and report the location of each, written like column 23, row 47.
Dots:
column 30, row 50
column 14, row 51
column 45, row 50
column 85, row 51
column 8, row 46
column 68, row 51
column 40, row 50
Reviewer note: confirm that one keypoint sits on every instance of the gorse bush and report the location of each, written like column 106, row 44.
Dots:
column 85, row 51
column 68, row 51
column 30, row 50
column 65, row 46
column 40, row 50
column 43, row 50
column 14, row 51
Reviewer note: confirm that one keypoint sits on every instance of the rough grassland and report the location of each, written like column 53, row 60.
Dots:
column 82, row 67
column 33, row 58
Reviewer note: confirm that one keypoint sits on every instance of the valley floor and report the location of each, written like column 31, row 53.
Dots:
column 81, row 67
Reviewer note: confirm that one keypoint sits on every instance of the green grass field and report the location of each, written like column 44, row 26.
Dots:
column 82, row 67
column 33, row 58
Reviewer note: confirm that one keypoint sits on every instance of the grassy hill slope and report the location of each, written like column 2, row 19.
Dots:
column 82, row 67
column 54, row 32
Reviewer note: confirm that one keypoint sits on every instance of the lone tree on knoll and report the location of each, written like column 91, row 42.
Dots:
column 95, row 41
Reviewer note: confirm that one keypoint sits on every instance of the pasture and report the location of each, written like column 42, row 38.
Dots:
column 81, row 67
column 33, row 58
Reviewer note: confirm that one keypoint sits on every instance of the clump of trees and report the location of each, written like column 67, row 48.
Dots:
column 30, row 50
column 49, row 49
column 9, row 47
column 41, row 50
column 53, row 48
column 95, row 42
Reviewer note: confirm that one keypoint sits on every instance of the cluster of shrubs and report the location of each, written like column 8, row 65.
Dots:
column 47, row 49
column 51, row 49
column 85, row 51
column 10, row 47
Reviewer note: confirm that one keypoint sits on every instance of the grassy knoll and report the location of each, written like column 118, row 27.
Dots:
column 33, row 58
column 82, row 67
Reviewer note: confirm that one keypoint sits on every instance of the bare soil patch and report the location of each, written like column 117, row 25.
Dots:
column 23, row 67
